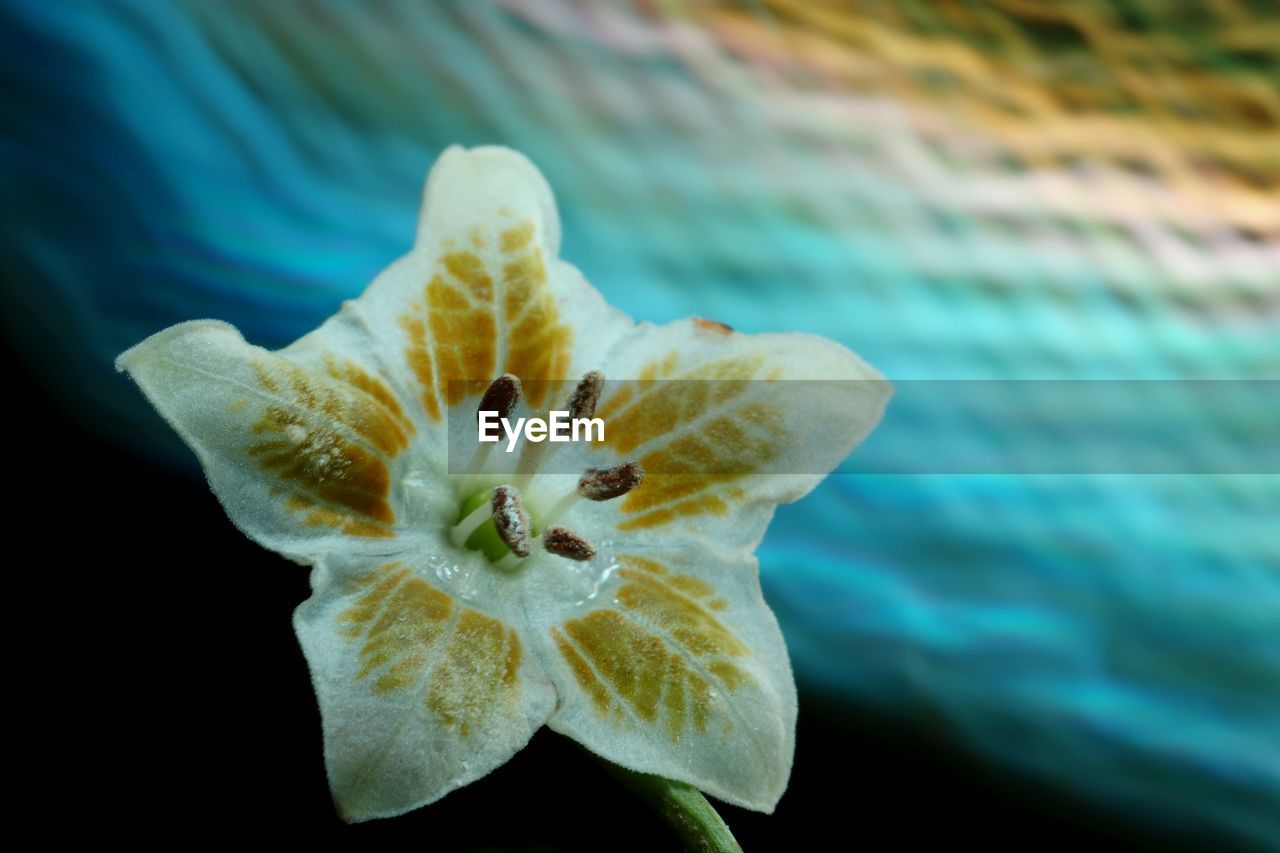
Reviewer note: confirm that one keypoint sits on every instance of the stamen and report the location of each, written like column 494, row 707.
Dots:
column 511, row 521
column 599, row 484
column 501, row 397
column 565, row 543
column 605, row 484
column 581, row 404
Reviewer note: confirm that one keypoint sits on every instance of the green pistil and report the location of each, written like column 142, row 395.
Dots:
column 485, row 539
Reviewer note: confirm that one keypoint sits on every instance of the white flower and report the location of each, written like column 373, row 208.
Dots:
column 635, row 626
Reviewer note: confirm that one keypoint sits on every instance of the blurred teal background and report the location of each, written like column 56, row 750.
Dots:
column 952, row 189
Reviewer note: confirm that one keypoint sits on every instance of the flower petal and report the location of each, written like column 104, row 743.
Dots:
column 298, row 455
column 673, row 666
column 727, row 425
column 483, row 291
column 419, row 694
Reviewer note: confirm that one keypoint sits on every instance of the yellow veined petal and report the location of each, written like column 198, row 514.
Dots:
column 297, row 454
column 399, row 619
column 483, row 292
column 674, row 666
column 419, row 693
column 721, row 420
column 635, row 658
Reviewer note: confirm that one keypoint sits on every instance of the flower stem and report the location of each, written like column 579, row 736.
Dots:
column 697, row 824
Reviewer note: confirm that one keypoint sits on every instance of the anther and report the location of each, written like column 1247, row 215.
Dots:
column 501, row 397
column 599, row 484
column 583, row 402
column 565, row 543
column 605, row 484
column 511, row 521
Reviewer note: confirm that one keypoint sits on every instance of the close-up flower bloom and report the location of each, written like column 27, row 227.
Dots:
column 461, row 598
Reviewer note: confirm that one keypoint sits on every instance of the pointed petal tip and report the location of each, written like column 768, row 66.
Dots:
column 128, row 360
column 469, row 176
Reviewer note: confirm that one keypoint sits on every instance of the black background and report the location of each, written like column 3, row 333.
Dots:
column 183, row 709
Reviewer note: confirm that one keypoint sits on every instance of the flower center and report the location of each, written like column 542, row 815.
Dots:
column 495, row 521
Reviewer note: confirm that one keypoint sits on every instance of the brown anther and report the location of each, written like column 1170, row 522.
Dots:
column 603, row 484
column 563, row 542
column 583, row 402
column 511, row 520
column 502, row 396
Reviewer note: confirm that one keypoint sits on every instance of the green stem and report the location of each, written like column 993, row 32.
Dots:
column 697, row 824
